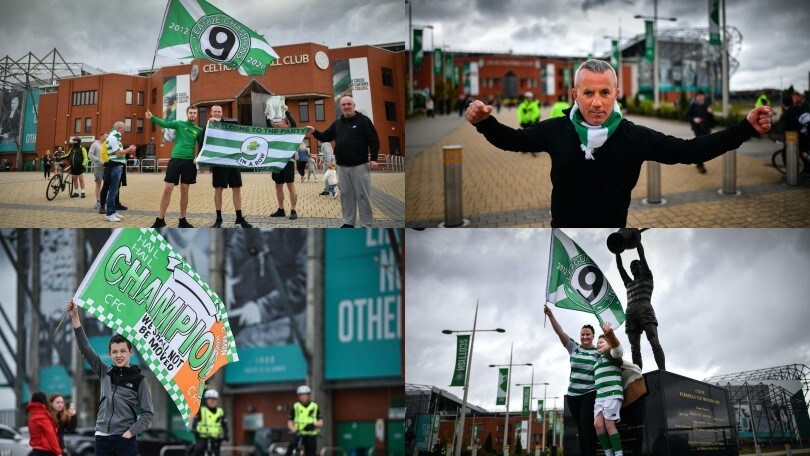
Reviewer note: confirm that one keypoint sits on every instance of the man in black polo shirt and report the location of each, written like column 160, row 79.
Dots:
column 596, row 155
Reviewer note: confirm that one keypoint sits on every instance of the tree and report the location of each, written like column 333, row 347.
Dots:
column 518, row 447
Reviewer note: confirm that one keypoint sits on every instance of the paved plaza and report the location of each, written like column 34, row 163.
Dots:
column 23, row 203
column 507, row 189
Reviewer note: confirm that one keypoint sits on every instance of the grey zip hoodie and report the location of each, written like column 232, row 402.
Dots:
column 122, row 390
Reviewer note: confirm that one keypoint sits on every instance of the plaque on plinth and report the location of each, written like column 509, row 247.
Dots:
column 679, row 416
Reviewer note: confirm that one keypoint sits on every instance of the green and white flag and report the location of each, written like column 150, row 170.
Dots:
column 503, row 384
column 141, row 288
column 462, row 352
column 649, row 41
column 614, row 57
column 197, row 29
column 243, row 146
column 540, row 412
column 575, row 282
column 438, row 59
column 416, row 52
column 714, row 22
column 527, row 400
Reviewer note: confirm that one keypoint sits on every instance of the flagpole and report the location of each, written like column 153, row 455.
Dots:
column 162, row 24
column 506, row 418
column 548, row 275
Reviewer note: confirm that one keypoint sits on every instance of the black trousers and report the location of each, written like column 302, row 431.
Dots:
column 582, row 410
column 310, row 445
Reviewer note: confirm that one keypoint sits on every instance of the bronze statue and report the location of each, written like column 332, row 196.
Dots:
column 640, row 313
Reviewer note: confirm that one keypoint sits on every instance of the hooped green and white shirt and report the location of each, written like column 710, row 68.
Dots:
column 608, row 375
column 114, row 144
column 583, row 362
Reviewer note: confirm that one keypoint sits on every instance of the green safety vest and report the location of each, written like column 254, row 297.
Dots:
column 528, row 112
column 305, row 415
column 210, row 425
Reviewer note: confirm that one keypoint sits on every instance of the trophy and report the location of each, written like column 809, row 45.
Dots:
column 275, row 109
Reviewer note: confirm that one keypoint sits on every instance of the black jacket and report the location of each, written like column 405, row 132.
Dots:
column 596, row 193
column 354, row 137
column 706, row 118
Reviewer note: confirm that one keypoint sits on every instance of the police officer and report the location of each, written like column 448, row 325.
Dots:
column 304, row 421
column 209, row 425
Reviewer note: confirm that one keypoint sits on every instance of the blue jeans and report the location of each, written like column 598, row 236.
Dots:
column 115, row 180
column 109, row 445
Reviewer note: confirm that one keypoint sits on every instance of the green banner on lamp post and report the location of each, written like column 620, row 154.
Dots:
column 462, row 356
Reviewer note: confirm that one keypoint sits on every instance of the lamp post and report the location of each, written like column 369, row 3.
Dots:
column 655, row 20
column 506, row 418
column 531, row 385
column 458, row 440
column 554, row 423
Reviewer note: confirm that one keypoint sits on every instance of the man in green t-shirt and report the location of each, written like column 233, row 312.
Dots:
column 182, row 168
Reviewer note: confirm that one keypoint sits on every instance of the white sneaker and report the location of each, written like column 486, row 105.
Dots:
column 334, row 195
column 120, row 217
column 112, row 217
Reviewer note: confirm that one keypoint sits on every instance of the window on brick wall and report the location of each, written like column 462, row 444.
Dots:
column 303, row 111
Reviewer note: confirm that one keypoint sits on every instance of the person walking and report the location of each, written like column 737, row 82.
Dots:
column 223, row 177
column 596, row 155
column 301, row 159
column 700, row 117
column 582, row 385
column 47, row 163
column 209, row 426
column 77, row 157
column 303, row 422
column 123, row 391
column 328, row 156
column 182, row 169
column 429, row 107
column 41, row 427
column 355, row 138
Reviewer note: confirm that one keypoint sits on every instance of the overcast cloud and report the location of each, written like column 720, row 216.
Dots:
column 775, row 43
column 122, row 35
column 726, row 301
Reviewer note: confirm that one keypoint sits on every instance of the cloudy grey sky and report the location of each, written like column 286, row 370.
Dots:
column 726, row 300
column 775, row 44
column 122, row 35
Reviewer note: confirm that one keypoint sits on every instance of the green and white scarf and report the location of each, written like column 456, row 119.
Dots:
column 593, row 137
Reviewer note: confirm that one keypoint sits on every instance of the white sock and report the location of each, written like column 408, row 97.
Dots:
column 619, row 453
column 609, row 453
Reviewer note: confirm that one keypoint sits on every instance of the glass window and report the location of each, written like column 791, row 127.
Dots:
column 303, row 111
column 390, row 111
column 320, row 114
column 78, row 128
column 128, row 97
column 88, row 125
column 139, row 125
column 140, row 98
column 154, row 95
column 388, row 77
column 94, row 93
column 127, row 124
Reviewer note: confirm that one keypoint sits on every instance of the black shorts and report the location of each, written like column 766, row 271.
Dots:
column 285, row 176
column 224, row 177
column 76, row 170
column 181, row 171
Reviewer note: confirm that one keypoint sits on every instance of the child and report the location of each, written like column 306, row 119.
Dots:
column 330, row 177
column 609, row 393
column 311, row 168
column 123, row 390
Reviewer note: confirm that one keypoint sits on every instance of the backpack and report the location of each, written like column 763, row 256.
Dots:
column 76, row 157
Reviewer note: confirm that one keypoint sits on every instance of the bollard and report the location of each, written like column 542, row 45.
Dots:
column 788, row 451
column 453, row 213
column 758, row 450
column 792, row 158
column 653, row 184
column 729, row 174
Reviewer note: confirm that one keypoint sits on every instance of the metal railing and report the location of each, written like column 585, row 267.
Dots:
column 225, row 449
column 395, row 163
column 325, row 450
column 149, row 164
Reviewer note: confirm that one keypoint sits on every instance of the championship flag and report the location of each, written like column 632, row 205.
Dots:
column 614, row 57
column 527, row 400
column 416, row 53
column 462, row 352
column 575, row 282
column 197, row 29
column 141, row 288
column 503, row 384
column 243, row 146
column 540, row 411
column 649, row 41
column 714, row 22
column 438, row 59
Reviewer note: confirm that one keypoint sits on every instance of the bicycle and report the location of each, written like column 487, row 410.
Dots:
column 58, row 182
column 779, row 159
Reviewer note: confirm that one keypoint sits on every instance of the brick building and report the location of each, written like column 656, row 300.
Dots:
column 304, row 74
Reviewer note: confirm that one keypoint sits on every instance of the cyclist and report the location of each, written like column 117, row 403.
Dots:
column 797, row 118
column 209, row 427
column 304, row 421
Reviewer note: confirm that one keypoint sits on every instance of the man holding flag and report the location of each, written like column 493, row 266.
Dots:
column 123, row 390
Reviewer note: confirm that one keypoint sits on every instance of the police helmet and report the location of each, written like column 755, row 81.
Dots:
column 303, row 389
column 211, row 394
